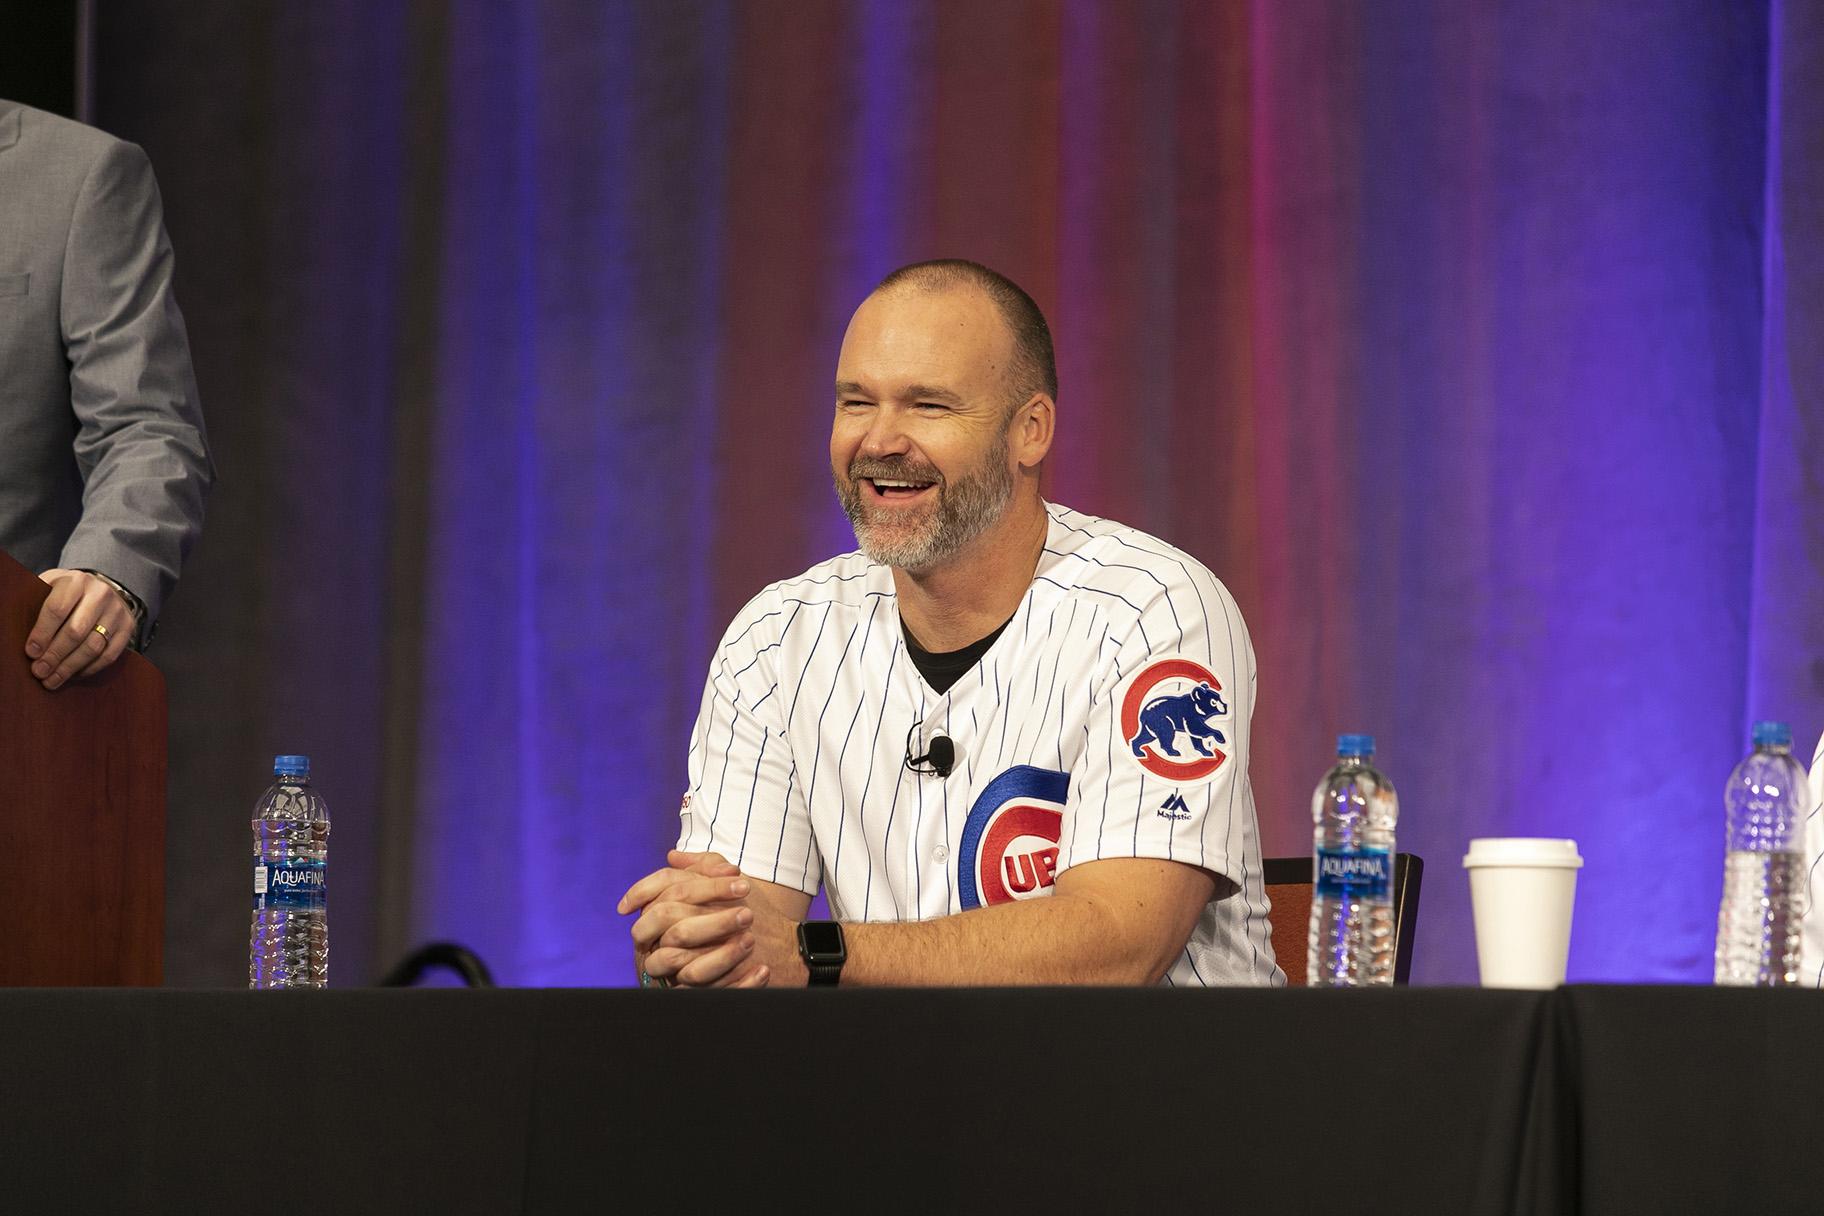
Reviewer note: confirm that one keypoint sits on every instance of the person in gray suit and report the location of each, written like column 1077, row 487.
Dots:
column 104, row 464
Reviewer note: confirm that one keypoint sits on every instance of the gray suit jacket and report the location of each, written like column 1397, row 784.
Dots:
column 103, row 461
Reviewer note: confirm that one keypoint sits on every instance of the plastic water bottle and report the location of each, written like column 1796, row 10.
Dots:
column 1354, row 810
column 290, row 941
column 1757, row 930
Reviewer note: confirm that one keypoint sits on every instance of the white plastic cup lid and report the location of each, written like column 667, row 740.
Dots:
column 1523, row 851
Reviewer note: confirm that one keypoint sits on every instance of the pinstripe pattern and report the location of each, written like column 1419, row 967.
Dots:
column 798, row 749
column 1811, row 970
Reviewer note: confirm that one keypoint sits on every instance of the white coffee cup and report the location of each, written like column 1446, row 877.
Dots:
column 1522, row 889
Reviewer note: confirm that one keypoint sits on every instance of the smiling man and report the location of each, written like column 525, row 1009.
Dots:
column 1008, row 739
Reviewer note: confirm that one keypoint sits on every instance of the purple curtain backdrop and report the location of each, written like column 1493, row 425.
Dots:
column 1473, row 345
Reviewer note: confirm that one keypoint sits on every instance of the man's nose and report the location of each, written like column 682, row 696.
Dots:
column 885, row 437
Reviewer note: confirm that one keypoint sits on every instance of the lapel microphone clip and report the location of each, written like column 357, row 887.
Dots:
column 939, row 758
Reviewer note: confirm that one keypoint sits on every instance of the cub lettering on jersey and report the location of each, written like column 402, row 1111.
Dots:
column 1168, row 710
column 1010, row 840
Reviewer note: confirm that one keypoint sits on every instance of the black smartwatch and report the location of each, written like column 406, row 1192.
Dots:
column 821, row 947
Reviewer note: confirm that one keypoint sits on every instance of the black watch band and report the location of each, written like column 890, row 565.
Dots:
column 821, row 946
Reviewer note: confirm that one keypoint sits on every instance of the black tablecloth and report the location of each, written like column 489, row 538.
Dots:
column 1423, row 1100
column 1697, row 1099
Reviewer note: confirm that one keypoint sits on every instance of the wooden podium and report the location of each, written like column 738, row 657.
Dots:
column 82, row 813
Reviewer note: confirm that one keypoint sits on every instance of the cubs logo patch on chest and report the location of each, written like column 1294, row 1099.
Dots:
column 1010, row 841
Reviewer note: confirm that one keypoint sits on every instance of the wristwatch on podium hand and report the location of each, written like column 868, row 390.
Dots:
column 823, row 950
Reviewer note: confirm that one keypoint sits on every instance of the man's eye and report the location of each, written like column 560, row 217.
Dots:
column 932, row 405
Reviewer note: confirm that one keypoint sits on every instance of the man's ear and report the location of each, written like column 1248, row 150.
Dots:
column 1032, row 428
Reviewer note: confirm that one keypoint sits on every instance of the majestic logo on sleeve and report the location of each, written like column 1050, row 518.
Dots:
column 1010, row 840
column 1167, row 717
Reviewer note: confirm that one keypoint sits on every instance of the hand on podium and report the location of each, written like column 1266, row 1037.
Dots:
column 83, row 627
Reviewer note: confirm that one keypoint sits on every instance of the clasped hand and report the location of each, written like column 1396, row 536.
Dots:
column 696, row 925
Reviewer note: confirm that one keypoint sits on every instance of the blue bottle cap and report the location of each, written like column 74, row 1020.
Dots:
column 1355, row 745
column 291, row 766
column 1772, row 734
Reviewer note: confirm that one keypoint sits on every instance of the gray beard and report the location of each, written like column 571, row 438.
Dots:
column 965, row 509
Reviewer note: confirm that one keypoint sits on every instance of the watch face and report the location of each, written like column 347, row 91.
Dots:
column 823, row 940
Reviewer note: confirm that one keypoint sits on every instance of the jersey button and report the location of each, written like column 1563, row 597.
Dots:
column 941, row 853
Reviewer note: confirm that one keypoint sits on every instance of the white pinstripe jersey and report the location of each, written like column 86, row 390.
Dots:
column 1811, row 972
column 1109, row 719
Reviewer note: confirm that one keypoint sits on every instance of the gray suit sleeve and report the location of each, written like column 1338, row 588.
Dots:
column 140, row 442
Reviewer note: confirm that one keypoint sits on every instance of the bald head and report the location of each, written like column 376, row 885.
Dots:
column 1032, row 368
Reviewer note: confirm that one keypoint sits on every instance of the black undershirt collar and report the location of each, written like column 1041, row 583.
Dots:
column 942, row 670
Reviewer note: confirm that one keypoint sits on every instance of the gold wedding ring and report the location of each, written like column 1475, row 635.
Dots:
column 102, row 630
